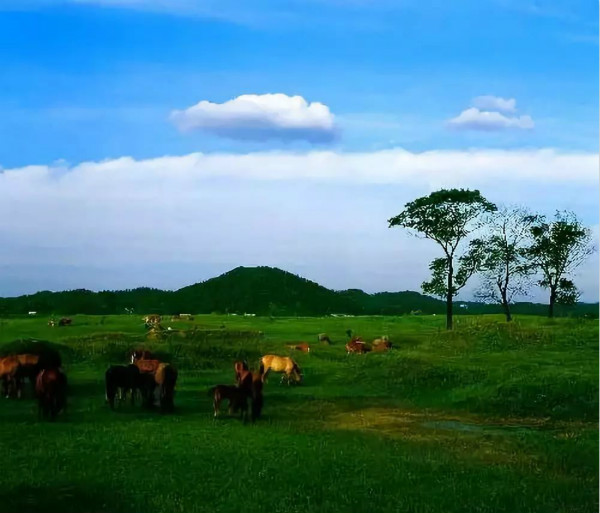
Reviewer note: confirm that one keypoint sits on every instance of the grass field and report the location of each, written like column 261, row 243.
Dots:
column 488, row 418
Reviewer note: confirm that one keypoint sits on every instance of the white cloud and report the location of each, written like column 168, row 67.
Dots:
column 126, row 222
column 495, row 103
column 475, row 119
column 260, row 117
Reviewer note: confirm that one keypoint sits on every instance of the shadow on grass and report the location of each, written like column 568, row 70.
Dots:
column 64, row 499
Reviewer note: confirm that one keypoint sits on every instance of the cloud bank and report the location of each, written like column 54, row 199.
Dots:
column 260, row 117
column 174, row 220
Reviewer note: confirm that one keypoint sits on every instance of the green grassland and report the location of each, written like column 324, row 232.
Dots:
column 491, row 417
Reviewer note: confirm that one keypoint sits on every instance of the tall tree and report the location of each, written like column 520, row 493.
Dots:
column 504, row 268
column 558, row 248
column 447, row 217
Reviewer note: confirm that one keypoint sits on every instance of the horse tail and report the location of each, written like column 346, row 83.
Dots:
column 261, row 368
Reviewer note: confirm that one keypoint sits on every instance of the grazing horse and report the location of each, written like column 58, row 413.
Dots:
column 323, row 337
column 237, row 397
column 123, row 379
column 141, row 354
column 303, row 346
column 357, row 346
column 283, row 364
column 239, row 368
column 9, row 374
column 166, row 378
column 51, row 391
column 382, row 344
column 65, row 321
column 383, row 340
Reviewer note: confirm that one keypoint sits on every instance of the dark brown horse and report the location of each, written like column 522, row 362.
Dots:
column 239, row 368
column 123, row 380
column 51, row 391
column 237, row 397
column 65, row 321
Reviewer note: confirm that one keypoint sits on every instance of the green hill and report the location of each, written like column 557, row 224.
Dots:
column 257, row 290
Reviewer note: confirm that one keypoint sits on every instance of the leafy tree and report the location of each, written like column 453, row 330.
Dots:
column 447, row 217
column 504, row 268
column 558, row 248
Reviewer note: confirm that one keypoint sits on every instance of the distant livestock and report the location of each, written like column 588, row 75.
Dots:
column 304, row 347
column 65, row 321
column 323, row 337
column 382, row 344
column 356, row 345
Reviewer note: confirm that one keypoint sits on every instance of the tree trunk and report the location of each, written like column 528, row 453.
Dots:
column 552, row 301
column 506, row 307
column 449, row 296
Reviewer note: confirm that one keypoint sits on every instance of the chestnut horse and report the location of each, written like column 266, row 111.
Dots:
column 51, row 391
column 283, row 364
column 252, row 384
column 239, row 368
column 9, row 374
column 166, row 379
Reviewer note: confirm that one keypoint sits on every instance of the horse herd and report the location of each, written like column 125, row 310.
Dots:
column 152, row 380
column 45, row 373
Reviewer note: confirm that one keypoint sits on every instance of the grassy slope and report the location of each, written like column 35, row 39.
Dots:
column 488, row 418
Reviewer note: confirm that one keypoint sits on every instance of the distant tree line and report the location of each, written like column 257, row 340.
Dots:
column 260, row 290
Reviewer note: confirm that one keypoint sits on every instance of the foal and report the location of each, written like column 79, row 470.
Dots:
column 237, row 397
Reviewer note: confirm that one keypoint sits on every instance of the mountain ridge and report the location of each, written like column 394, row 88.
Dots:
column 260, row 290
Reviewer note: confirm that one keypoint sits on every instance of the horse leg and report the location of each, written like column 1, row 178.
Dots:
column 216, row 404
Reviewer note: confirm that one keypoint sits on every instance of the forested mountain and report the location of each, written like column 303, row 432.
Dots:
column 258, row 290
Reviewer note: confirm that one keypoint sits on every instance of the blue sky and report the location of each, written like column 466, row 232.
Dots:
column 96, row 80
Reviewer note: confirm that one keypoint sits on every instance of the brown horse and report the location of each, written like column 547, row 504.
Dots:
column 166, row 379
column 9, row 374
column 283, row 364
column 237, row 397
column 51, row 391
column 303, row 346
column 239, row 368
column 65, row 321
column 357, row 346
column 382, row 346
column 251, row 383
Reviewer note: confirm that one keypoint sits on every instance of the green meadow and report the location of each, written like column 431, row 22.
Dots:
column 491, row 417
